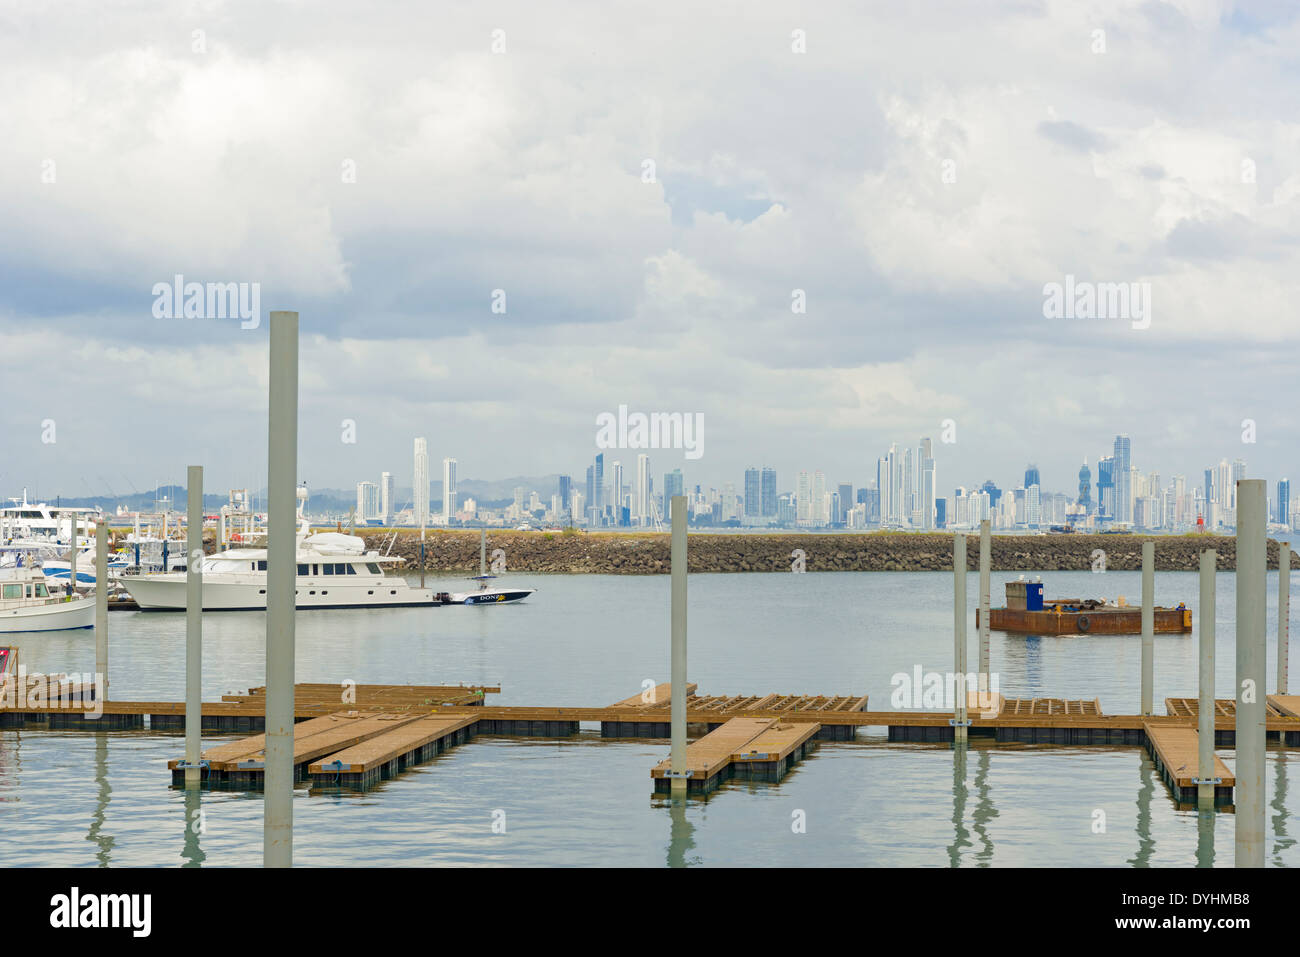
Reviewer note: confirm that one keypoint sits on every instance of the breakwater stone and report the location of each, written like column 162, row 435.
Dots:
column 610, row 553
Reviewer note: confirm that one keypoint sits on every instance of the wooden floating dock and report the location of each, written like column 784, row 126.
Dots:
column 1175, row 752
column 652, row 718
column 755, row 748
column 240, row 764
column 240, row 714
column 389, row 753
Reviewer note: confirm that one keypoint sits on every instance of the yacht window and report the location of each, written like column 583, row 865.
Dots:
column 304, row 569
column 29, row 591
column 329, row 569
column 373, row 568
column 352, row 569
column 13, row 591
column 261, row 566
column 40, row 591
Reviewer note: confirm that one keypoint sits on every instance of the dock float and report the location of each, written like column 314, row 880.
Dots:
column 388, row 754
column 761, row 748
column 652, row 718
column 240, row 764
column 1174, row 751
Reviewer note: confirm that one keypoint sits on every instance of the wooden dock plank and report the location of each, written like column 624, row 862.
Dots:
column 775, row 743
column 712, row 753
column 388, row 745
column 660, row 695
column 1287, row 704
column 1177, row 749
column 327, row 735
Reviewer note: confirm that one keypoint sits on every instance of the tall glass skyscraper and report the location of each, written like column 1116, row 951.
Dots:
column 420, row 486
column 1123, row 480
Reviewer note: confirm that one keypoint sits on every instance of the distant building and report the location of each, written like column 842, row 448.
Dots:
column 1284, row 502
column 448, row 490
column 420, row 486
column 673, row 485
column 1085, row 487
column 386, row 504
column 367, row 501
column 1031, row 476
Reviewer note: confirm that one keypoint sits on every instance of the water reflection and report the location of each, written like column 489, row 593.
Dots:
column 191, row 851
column 681, row 834
column 984, row 811
column 960, row 835
column 1205, row 835
column 1146, row 843
column 1281, row 840
column 104, row 843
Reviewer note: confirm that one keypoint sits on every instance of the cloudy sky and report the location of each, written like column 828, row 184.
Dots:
column 649, row 184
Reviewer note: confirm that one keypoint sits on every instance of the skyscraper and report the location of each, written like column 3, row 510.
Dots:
column 616, row 492
column 1031, row 476
column 1123, row 479
column 753, row 495
column 928, row 489
column 1284, row 501
column 673, row 485
column 803, row 499
column 597, row 498
column 367, row 501
column 769, row 492
column 642, row 489
column 420, row 486
column 386, row 504
column 820, row 501
column 448, row 490
column 1085, row 487
column 566, row 495
column 845, row 503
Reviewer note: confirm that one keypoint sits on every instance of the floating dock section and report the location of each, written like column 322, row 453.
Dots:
column 649, row 715
column 754, row 748
column 1174, row 750
column 388, row 754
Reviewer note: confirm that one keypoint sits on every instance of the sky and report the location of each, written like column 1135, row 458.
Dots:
column 821, row 227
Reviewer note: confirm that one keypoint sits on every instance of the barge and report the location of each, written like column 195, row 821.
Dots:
column 1028, row 612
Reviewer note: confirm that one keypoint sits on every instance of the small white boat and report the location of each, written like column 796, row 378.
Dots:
column 26, row 604
column 489, row 596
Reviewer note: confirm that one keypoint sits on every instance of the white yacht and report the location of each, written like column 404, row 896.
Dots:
column 334, row 571
column 26, row 604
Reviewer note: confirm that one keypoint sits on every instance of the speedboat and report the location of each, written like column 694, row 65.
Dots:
column 489, row 596
column 26, row 603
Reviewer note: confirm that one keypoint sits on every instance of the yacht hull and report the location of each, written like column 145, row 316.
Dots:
column 58, row 616
column 167, row 593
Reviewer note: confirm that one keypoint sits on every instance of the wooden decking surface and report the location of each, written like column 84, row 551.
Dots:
column 1287, row 704
column 312, row 739
column 712, row 753
column 778, row 741
column 390, row 744
column 658, row 696
column 1177, row 749
column 1223, row 707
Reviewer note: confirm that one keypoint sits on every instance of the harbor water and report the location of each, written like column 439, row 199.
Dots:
column 86, row 799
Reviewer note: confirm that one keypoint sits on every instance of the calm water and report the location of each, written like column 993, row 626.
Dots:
column 84, row 799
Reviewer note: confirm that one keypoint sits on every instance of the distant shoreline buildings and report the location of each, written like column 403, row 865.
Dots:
column 904, row 496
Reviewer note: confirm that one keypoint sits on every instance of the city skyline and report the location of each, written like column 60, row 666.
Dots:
column 906, row 493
